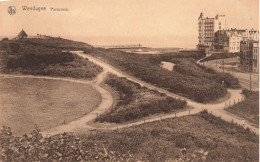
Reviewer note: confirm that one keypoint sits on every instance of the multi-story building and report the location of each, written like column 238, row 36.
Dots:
column 249, row 60
column 221, row 41
column 255, row 61
column 207, row 28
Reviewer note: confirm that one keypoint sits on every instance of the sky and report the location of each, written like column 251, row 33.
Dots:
column 164, row 23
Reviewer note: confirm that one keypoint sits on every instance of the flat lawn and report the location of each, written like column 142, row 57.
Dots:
column 249, row 108
column 47, row 103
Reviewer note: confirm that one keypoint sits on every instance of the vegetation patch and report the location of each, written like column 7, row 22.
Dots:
column 185, row 80
column 249, row 108
column 216, row 56
column 46, row 57
column 205, row 138
column 137, row 102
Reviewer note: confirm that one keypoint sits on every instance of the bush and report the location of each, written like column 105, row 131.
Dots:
column 216, row 56
column 4, row 39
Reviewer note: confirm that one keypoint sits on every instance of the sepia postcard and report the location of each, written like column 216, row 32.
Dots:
column 129, row 80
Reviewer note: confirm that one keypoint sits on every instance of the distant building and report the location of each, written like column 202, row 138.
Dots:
column 249, row 59
column 22, row 35
column 234, row 43
column 207, row 28
column 230, row 40
column 221, row 41
column 256, row 57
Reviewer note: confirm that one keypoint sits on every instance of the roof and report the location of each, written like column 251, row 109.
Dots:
column 22, row 34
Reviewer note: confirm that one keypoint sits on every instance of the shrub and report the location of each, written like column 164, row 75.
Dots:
column 216, row 56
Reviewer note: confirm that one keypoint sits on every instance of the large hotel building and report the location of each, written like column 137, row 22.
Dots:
column 207, row 28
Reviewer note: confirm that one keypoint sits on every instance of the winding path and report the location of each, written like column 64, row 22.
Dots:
column 215, row 109
column 107, row 101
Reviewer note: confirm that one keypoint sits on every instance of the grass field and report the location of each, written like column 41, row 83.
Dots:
column 249, row 108
column 25, row 102
column 206, row 138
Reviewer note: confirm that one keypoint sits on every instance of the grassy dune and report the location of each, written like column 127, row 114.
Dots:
column 46, row 57
column 187, row 78
column 136, row 102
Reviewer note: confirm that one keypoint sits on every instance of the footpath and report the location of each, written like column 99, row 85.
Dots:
column 107, row 101
column 215, row 109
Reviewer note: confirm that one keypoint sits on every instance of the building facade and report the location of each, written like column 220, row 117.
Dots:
column 207, row 28
column 230, row 40
column 255, row 61
column 234, row 43
column 249, row 60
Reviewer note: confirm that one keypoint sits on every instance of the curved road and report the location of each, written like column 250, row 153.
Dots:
column 215, row 109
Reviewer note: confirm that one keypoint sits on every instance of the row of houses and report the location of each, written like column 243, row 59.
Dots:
column 214, row 36
column 230, row 40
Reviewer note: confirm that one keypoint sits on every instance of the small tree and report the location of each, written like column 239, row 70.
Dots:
column 5, row 39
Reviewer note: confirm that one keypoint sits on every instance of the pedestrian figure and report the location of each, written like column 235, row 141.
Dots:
column 243, row 122
column 184, row 152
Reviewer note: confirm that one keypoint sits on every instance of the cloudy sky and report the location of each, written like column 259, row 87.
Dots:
column 164, row 23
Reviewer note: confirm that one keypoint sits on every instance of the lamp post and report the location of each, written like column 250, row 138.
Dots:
column 250, row 69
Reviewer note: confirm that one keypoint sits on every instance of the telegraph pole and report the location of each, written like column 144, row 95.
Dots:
column 223, row 63
column 250, row 79
column 250, row 62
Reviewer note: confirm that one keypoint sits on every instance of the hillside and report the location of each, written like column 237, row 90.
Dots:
column 46, row 57
column 187, row 79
